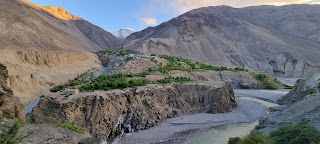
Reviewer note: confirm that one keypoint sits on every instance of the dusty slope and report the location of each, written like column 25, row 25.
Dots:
column 279, row 40
column 41, row 50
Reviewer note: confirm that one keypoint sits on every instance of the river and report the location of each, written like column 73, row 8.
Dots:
column 210, row 128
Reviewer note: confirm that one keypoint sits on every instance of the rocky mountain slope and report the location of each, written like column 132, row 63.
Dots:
column 41, row 50
column 302, row 103
column 107, row 114
column 283, row 41
column 122, row 33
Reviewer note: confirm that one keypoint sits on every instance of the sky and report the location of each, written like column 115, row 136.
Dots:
column 113, row 15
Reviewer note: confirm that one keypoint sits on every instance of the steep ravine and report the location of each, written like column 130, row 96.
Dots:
column 107, row 114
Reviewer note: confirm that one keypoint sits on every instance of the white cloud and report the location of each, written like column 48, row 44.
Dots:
column 186, row 5
column 314, row 3
column 149, row 21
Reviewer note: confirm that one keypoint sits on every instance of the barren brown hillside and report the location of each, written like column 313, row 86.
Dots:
column 41, row 50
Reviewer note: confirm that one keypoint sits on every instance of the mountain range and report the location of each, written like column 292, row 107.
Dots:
column 123, row 33
column 283, row 41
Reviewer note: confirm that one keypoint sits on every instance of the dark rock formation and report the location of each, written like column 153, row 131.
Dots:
column 240, row 80
column 10, row 107
column 283, row 41
column 300, row 104
column 107, row 114
column 302, row 88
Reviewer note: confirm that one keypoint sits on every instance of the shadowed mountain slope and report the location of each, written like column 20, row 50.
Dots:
column 284, row 41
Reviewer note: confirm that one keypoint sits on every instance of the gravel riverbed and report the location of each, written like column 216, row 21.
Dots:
column 251, row 106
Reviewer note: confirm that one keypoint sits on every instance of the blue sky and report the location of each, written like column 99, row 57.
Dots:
column 113, row 14
column 139, row 14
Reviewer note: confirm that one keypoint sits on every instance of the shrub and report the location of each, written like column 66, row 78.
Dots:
column 253, row 138
column 264, row 81
column 139, row 82
column 234, row 140
column 301, row 133
column 171, row 79
column 244, row 86
column 256, row 138
column 288, row 86
column 11, row 135
column 58, row 88
column 71, row 127
column 311, row 91
column 165, row 80
column 239, row 69
column 124, row 52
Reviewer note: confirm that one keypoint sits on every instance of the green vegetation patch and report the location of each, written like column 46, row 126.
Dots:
column 171, row 79
column 109, row 82
column 311, row 91
column 300, row 133
column 288, row 86
column 11, row 135
column 263, row 78
column 118, row 52
column 58, row 88
column 71, row 127
column 254, row 137
column 177, row 63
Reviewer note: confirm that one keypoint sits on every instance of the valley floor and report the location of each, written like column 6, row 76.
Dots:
column 252, row 105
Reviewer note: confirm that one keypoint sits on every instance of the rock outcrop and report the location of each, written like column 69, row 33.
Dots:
column 302, row 88
column 239, row 80
column 282, row 41
column 107, row 114
column 10, row 107
column 301, row 104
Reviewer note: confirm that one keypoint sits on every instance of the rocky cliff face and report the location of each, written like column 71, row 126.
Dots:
column 283, row 41
column 303, row 88
column 10, row 107
column 107, row 114
column 33, row 73
column 301, row 103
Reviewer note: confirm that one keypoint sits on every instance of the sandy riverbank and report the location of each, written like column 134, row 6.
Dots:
column 178, row 130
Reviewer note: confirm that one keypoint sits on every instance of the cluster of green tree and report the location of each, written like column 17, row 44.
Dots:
column 285, row 85
column 263, row 78
column 80, row 79
column 171, row 79
column 71, row 127
column 118, row 52
column 300, row 133
column 176, row 63
column 58, row 88
column 142, row 74
column 109, row 82
column 11, row 135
